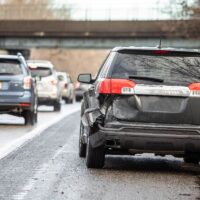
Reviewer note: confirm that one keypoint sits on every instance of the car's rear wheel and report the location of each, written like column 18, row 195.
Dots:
column 95, row 157
column 68, row 100
column 30, row 117
column 71, row 100
column 82, row 146
column 57, row 106
column 78, row 99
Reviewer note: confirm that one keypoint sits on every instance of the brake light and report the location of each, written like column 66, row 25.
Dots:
column 194, row 89
column 66, row 85
column 24, row 104
column 160, row 52
column 27, row 83
column 116, row 86
column 194, row 86
column 54, row 82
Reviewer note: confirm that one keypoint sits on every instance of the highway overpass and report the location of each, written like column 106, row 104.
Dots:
column 25, row 34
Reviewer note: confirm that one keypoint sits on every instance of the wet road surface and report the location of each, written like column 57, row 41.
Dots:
column 13, row 128
column 48, row 168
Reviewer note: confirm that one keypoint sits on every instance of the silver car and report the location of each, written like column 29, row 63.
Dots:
column 48, row 87
column 67, row 87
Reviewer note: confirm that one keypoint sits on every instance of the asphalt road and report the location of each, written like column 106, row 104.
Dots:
column 12, row 128
column 48, row 168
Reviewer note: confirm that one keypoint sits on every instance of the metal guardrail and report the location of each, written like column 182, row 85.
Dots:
column 60, row 12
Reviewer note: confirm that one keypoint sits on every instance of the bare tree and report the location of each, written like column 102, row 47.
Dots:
column 32, row 9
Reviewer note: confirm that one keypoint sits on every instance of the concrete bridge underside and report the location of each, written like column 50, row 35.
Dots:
column 26, row 34
column 97, row 43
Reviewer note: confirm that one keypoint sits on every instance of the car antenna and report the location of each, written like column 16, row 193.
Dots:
column 159, row 46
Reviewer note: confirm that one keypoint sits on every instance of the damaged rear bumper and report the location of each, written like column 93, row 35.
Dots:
column 148, row 137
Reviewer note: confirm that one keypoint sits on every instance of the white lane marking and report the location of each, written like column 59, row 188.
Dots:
column 45, row 171
column 37, row 131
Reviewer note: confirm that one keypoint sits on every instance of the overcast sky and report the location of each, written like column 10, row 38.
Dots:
column 116, row 9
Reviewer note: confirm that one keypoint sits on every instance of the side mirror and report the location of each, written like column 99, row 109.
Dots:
column 85, row 78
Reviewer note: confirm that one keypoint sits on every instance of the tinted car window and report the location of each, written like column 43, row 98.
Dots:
column 10, row 67
column 61, row 78
column 171, row 69
column 41, row 72
column 106, row 65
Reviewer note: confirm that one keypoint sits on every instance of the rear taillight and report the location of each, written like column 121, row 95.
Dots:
column 27, row 83
column 24, row 104
column 194, row 89
column 194, row 86
column 116, row 86
column 54, row 82
column 66, row 85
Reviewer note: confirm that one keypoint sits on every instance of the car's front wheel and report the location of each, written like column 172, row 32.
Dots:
column 95, row 157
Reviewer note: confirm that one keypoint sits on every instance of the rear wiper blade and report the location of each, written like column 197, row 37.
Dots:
column 146, row 78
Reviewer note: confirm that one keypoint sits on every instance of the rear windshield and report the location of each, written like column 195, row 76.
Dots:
column 41, row 72
column 179, row 70
column 10, row 67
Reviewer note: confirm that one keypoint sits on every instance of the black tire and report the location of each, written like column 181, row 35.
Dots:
column 82, row 146
column 78, row 99
column 66, row 100
column 30, row 117
column 95, row 157
column 193, row 158
column 71, row 101
column 36, row 117
column 57, row 106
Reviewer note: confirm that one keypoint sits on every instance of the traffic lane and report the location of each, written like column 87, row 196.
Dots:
column 13, row 128
column 49, row 168
column 18, row 169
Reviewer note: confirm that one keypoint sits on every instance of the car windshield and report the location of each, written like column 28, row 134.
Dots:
column 10, row 67
column 171, row 69
column 41, row 72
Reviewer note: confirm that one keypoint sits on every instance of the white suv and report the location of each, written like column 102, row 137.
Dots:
column 48, row 87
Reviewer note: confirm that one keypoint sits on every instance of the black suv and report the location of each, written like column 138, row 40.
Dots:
column 142, row 100
column 17, row 88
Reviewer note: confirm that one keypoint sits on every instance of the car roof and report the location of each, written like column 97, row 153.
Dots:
column 174, row 50
column 13, row 57
column 41, row 63
column 62, row 73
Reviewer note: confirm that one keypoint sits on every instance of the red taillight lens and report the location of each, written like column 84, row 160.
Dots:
column 25, row 104
column 54, row 82
column 27, row 83
column 194, row 86
column 115, row 86
column 161, row 52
